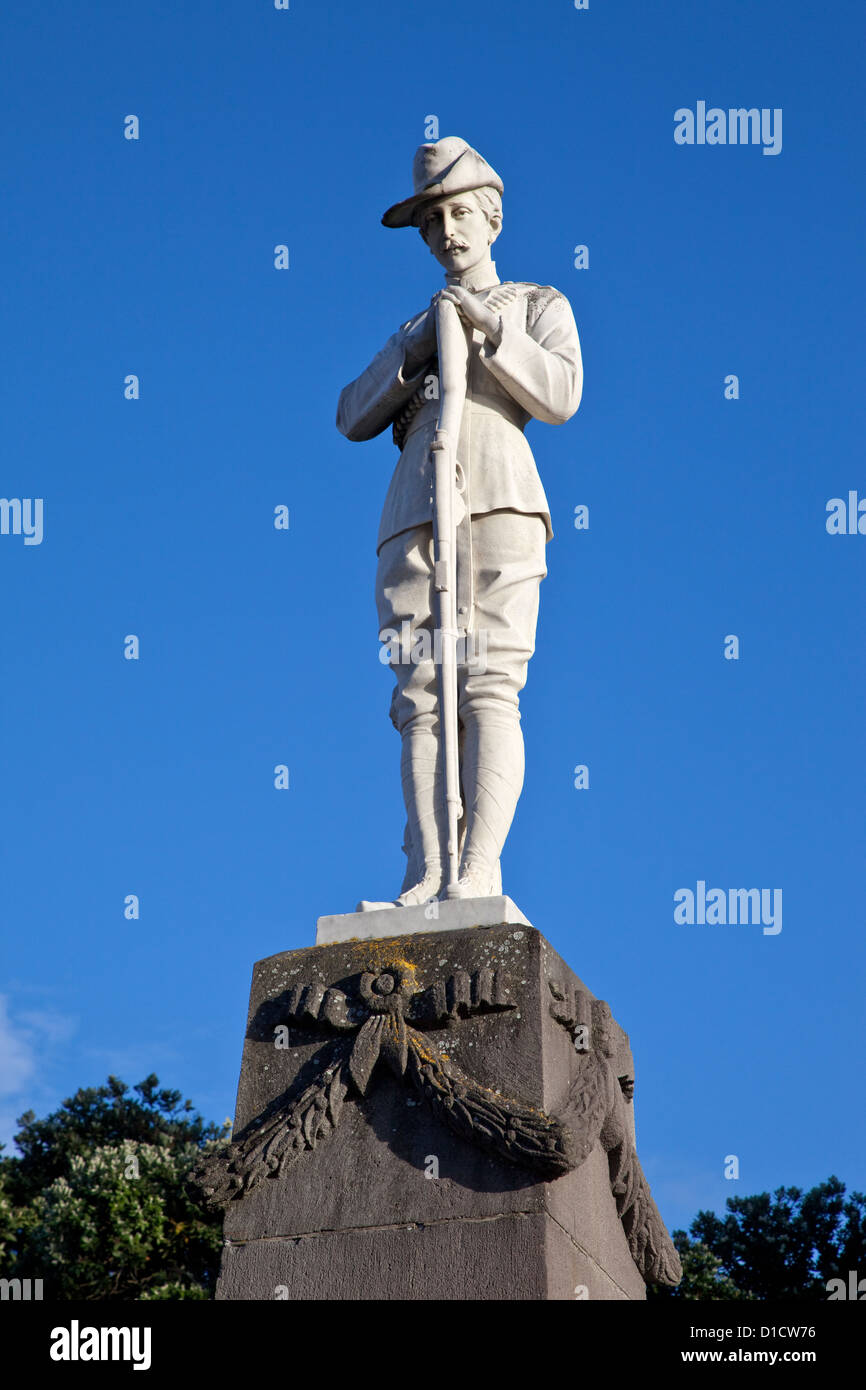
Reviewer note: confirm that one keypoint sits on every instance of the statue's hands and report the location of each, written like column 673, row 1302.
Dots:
column 473, row 311
column 421, row 343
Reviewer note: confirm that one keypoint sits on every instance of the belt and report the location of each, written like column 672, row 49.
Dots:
column 478, row 404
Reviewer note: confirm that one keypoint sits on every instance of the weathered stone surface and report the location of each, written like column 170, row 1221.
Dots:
column 509, row 1257
column 515, row 1124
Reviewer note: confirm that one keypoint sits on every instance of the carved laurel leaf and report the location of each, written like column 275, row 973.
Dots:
column 589, row 1102
column 395, row 1043
column 267, row 1150
column 365, row 1052
column 506, row 1127
column 651, row 1247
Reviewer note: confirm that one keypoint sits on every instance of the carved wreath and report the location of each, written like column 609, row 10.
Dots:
column 388, row 1015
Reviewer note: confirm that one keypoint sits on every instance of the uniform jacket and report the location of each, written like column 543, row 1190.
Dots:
column 535, row 372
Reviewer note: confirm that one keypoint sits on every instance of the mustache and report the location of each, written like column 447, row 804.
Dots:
column 454, row 246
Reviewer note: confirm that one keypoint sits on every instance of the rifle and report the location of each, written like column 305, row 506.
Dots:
column 448, row 500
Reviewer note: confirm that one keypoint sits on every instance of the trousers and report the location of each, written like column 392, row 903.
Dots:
column 508, row 555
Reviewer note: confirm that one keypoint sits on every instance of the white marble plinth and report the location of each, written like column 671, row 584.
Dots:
column 427, row 917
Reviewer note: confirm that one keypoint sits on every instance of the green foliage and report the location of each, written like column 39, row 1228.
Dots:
column 98, row 1206
column 7, row 1219
column 703, row 1276
column 785, row 1246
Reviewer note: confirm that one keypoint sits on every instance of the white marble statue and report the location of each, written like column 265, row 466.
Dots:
column 524, row 363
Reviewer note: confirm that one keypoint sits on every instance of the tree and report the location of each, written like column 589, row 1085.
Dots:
column 785, row 1246
column 97, row 1205
column 703, row 1276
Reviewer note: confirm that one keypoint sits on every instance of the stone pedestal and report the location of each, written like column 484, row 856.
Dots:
column 426, row 917
column 437, row 1115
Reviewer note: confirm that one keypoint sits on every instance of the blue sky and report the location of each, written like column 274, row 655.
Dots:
column 258, row 647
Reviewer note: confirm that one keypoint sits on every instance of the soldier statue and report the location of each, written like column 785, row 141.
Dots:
column 524, row 363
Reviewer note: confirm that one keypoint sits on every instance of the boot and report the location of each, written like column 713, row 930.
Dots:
column 422, row 792
column 493, row 766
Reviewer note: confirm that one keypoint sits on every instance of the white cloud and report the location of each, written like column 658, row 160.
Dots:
column 17, row 1052
column 48, row 1026
column 28, row 1052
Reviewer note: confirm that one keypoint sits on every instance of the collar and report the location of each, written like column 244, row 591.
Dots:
column 482, row 277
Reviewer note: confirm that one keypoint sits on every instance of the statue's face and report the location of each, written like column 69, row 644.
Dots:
column 457, row 232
